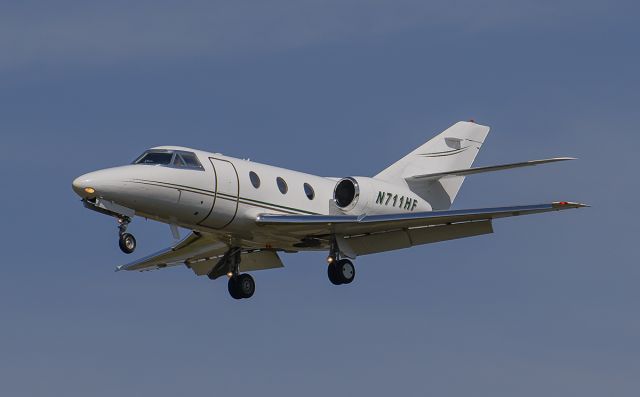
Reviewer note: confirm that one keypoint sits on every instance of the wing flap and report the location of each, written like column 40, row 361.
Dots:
column 398, row 239
column 251, row 261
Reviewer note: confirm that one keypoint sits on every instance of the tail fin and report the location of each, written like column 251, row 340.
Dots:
column 454, row 149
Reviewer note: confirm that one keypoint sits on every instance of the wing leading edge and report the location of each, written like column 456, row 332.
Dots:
column 203, row 253
column 349, row 225
column 194, row 247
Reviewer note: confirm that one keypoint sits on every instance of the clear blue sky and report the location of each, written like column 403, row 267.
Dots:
column 548, row 305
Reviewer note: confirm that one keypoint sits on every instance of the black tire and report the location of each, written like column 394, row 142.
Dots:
column 245, row 285
column 345, row 271
column 232, row 285
column 127, row 243
column 332, row 272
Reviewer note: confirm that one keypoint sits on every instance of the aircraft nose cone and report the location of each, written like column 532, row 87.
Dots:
column 81, row 185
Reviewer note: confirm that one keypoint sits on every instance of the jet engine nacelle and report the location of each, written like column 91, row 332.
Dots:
column 362, row 195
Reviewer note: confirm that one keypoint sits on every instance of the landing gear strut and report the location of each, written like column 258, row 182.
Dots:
column 126, row 242
column 241, row 286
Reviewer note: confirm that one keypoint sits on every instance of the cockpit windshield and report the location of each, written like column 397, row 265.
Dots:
column 170, row 158
column 155, row 158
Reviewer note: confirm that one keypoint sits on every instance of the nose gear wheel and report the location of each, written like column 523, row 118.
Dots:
column 126, row 241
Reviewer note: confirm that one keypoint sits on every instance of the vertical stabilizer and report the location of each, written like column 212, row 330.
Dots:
column 454, row 149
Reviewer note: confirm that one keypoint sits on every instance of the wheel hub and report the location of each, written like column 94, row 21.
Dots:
column 347, row 271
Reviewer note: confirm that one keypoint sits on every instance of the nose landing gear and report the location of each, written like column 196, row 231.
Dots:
column 126, row 241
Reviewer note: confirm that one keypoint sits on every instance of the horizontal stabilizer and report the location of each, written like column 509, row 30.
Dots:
column 478, row 170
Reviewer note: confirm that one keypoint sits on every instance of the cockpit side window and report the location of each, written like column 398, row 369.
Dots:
column 191, row 160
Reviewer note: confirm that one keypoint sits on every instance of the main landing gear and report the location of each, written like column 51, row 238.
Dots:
column 241, row 286
column 126, row 241
column 341, row 271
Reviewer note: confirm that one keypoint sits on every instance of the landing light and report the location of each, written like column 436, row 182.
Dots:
column 230, row 274
column 330, row 259
column 89, row 190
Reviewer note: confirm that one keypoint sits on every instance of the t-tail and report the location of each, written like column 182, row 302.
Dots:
column 436, row 170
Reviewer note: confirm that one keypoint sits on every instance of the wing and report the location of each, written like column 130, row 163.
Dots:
column 203, row 254
column 359, row 235
column 194, row 248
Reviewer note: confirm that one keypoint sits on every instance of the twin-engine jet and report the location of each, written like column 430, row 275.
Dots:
column 242, row 214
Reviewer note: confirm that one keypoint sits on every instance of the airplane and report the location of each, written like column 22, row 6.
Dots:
column 242, row 214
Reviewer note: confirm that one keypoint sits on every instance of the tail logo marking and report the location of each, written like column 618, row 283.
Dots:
column 444, row 153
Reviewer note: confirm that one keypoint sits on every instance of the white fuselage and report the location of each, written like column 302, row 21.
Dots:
column 220, row 198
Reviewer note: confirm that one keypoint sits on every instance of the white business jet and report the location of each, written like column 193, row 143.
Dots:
column 242, row 213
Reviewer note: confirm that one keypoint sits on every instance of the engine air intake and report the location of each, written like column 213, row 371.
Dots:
column 346, row 193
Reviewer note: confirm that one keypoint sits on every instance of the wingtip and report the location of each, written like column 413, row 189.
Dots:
column 569, row 204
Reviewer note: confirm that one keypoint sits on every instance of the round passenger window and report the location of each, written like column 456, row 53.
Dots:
column 308, row 190
column 255, row 179
column 282, row 185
